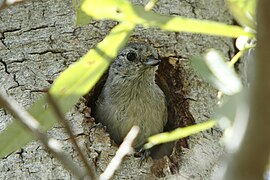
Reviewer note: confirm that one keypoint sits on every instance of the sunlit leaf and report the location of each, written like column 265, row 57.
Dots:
column 85, row 73
column 244, row 11
column 217, row 72
column 178, row 133
column 122, row 10
column 105, row 9
column 73, row 83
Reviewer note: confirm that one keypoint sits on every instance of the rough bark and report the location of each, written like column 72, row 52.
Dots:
column 39, row 40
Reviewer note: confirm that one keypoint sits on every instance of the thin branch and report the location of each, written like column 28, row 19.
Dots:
column 124, row 149
column 236, row 58
column 64, row 122
column 150, row 5
column 33, row 126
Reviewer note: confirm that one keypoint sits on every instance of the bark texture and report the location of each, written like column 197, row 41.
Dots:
column 39, row 40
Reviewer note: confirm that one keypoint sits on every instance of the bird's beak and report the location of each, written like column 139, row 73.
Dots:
column 151, row 61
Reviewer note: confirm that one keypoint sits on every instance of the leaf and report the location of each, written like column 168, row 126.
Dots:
column 217, row 72
column 178, row 133
column 230, row 105
column 105, row 9
column 73, row 83
column 81, row 17
column 244, row 12
column 121, row 10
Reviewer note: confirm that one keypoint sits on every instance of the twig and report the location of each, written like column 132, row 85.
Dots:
column 150, row 5
column 236, row 58
column 64, row 122
column 34, row 127
column 124, row 149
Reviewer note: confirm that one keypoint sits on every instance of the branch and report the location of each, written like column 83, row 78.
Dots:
column 124, row 149
column 64, row 122
column 34, row 127
column 251, row 158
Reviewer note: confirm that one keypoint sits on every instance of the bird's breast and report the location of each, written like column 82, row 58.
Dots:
column 143, row 106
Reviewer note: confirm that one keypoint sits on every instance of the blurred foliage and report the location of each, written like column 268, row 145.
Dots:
column 80, row 77
column 122, row 10
column 244, row 12
column 72, row 84
column 214, row 69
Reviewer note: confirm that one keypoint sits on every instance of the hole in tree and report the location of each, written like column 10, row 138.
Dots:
column 178, row 110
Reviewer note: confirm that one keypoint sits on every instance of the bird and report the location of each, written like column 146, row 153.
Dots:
column 130, row 95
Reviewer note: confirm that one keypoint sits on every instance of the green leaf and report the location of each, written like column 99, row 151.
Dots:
column 121, row 10
column 105, row 9
column 73, row 83
column 81, row 17
column 244, row 12
column 230, row 105
column 178, row 133
column 217, row 72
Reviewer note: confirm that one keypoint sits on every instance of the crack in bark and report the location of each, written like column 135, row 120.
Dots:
column 53, row 51
column 5, row 66
column 2, row 39
column 16, row 81
column 37, row 90
column 11, row 30
column 3, row 42
column 20, row 153
column 38, row 28
column 193, row 7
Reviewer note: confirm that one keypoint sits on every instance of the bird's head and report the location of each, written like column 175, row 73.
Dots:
column 136, row 59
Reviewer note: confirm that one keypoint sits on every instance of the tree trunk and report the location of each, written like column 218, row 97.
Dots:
column 39, row 40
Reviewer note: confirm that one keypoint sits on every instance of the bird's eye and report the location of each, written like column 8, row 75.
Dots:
column 131, row 56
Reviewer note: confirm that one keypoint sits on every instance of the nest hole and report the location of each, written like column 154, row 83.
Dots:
column 168, row 78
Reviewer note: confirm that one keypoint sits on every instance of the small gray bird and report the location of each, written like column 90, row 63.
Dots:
column 131, row 96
